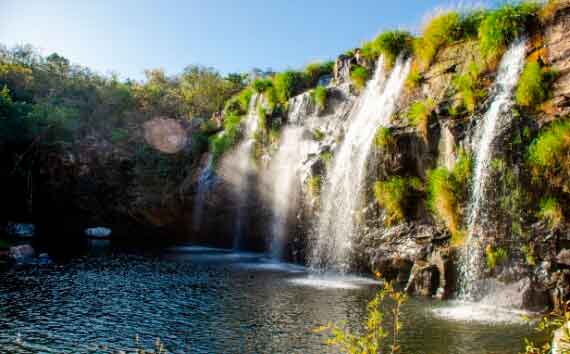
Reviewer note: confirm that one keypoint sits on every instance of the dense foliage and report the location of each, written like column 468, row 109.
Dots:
column 359, row 75
column 389, row 44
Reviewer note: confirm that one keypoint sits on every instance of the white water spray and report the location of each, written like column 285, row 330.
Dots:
column 496, row 119
column 283, row 173
column 205, row 183
column 342, row 194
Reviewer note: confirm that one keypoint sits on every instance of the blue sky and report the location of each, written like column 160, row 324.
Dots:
column 128, row 36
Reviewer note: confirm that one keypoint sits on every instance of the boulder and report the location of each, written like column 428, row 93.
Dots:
column 20, row 230
column 563, row 257
column 98, row 232
column 22, row 253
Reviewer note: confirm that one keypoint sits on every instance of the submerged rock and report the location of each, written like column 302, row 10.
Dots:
column 98, row 232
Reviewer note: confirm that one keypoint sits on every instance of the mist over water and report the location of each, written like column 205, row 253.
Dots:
column 342, row 194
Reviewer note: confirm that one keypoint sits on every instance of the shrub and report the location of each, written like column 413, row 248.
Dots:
column 501, row 26
column 271, row 97
column 393, row 195
column 383, row 138
column 443, row 202
column 319, row 96
column 548, row 155
column 261, row 85
column 551, row 211
column 390, row 44
column 468, row 86
column 419, row 115
column 375, row 334
column 359, row 75
column 287, row 84
column 315, row 71
column 533, row 85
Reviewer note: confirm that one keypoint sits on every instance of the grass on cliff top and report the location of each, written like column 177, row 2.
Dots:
column 444, row 29
column 503, row 25
column 314, row 71
column 390, row 44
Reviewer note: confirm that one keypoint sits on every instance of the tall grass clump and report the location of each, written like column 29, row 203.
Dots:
column 315, row 71
column 319, row 96
column 503, row 25
column 393, row 196
column 549, row 156
column 359, row 75
column 443, row 202
column 468, row 86
column 494, row 256
column 551, row 211
column 419, row 115
column 390, row 44
column 533, row 85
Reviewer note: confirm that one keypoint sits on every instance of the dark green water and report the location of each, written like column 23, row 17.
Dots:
column 206, row 301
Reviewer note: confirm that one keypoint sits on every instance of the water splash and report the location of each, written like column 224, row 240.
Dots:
column 496, row 119
column 343, row 191
column 283, row 174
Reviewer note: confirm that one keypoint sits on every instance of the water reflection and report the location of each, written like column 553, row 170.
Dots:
column 208, row 301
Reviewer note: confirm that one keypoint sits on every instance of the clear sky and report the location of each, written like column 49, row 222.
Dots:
column 128, row 36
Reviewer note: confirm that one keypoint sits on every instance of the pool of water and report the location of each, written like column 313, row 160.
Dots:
column 200, row 300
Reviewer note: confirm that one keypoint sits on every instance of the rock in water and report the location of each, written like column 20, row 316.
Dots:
column 98, row 232
column 22, row 254
column 20, row 230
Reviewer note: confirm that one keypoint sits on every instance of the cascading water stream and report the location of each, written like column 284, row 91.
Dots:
column 343, row 191
column 244, row 169
column 283, row 174
column 496, row 119
column 205, row 183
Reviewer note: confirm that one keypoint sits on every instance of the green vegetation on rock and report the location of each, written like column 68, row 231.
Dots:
column 551, row 211
column 469, row 87
column 315, row 71
column 393, row 195
column 359, row 76
column 494, row 256
column 533, row 85
column 419, row 115
column 389, row 44
column 503, row 25
column 319, row 96
column 383, row 139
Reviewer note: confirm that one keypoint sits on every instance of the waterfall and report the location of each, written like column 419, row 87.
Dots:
column 342, row 194
column 285, row 187
column 237, row 171
column 205, row 183
column 497, row 118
